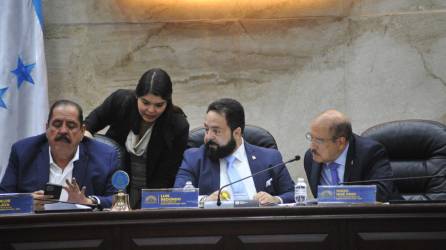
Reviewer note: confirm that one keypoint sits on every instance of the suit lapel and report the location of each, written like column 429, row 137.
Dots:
column 80, row 166
column 351, row 172
column 210, row 175
column 254, row 165
column 316, row 170
column 42, row 164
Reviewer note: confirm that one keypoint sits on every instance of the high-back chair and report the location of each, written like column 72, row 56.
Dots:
column 253, row 134
column 415, row 148
column 116, row 146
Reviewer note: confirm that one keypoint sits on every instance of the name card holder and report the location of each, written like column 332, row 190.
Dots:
column 16, row 203
column 169, row 198
column 346, row 194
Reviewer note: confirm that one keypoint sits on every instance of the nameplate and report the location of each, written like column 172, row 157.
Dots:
column 16, row 203
column 169, row 198
column 347, row 194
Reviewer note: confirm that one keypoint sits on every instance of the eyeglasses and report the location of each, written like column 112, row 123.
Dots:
column 318, row 141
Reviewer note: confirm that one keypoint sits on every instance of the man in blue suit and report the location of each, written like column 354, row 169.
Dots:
column 226, row 157
column 64, row 157
column 337, row 155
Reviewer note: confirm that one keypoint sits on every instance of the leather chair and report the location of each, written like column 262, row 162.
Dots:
column 415, row 148
column 253, row 134
column 116, row 146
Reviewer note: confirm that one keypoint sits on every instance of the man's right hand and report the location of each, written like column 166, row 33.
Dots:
column 39, row 199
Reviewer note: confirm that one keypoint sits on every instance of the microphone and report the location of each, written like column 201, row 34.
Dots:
column 296, row 158
column 394, row 179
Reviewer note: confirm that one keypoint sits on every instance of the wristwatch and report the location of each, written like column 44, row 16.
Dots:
column 93, row 199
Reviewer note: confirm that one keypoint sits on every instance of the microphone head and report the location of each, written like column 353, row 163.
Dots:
column 297, row 157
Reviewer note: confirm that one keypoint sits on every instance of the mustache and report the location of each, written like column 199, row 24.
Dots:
column 62, row 137
column 210, row 142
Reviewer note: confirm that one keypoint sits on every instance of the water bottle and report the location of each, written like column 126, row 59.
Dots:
column 189, row 186
column 300, row 191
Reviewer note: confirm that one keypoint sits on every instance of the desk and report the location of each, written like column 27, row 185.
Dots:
column 408, row 226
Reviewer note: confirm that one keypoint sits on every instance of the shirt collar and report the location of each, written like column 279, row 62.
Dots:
column 238, row 154
column 343, row 157
column 75, row 158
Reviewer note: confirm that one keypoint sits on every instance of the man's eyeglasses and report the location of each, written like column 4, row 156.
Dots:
column 316, row 140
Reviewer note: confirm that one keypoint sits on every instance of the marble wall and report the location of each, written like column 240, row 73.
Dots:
column 286, row 61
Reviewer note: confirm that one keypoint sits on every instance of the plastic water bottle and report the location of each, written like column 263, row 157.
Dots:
column 300, row 191
column 189, row 186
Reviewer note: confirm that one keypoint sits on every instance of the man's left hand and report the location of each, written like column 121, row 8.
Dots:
column 266, row 199
column 75, row 194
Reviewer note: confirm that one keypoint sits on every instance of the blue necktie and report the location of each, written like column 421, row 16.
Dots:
column 334, row 173
column 238, row 189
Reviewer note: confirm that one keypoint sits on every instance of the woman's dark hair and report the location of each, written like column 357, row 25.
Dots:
column 157, row 82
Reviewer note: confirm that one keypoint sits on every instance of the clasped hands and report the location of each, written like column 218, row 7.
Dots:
column 264, row 198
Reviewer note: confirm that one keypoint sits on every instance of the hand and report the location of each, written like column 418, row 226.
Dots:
column 75, row 194
column 39, row 199
column 225, row 195
column 266, row 199
column 213, row 196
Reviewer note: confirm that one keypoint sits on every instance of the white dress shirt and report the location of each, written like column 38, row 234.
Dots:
column 58, row 175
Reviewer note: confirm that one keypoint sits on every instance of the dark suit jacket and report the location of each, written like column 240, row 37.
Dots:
column 366, row 160
column 167, row 143
column 205, row 174
column 28, row 169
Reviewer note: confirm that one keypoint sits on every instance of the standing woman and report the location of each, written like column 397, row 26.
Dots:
column 153, row 131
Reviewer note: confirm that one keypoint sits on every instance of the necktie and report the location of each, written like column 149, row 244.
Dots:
column 238, row 189
column 334, row 173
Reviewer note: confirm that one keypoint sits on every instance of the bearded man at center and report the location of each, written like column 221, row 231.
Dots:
column 226, row 157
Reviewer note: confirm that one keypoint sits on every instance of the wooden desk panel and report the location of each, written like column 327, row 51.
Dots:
column 414, row 226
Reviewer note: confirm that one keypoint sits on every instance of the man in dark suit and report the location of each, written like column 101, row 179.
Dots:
column 226, row 157
column 337, row 155
column 62, row 156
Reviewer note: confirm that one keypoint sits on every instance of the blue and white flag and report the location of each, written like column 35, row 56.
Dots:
column 23, row 78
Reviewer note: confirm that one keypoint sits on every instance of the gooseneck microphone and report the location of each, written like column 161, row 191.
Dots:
column 295, row 158
column 394, row 179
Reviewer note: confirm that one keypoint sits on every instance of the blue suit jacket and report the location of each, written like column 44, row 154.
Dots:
column 28, row 168
column 366, row 160
column 205, row 174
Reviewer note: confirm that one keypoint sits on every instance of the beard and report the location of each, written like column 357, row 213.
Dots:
column 215, row 152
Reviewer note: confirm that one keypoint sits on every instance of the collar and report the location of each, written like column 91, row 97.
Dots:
column 342, row 157
column 238, row 154
column 75, row 158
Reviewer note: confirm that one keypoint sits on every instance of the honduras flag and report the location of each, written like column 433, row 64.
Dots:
column 23, row 78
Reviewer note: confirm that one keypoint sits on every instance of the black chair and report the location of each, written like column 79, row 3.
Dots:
column 121, row 153
column 253, row 134
column 415, row 148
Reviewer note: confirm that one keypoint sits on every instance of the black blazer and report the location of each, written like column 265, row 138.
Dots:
column 366, row 160
column 167, row 143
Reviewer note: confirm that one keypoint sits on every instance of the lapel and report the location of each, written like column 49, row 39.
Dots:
column 159, row 138
column 42, row 163
column 254, row 164
column 351, row 172
column 81, row 165
column 315, row 176
column 214, row 177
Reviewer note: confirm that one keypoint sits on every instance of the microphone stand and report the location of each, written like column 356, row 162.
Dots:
column 296, row 158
